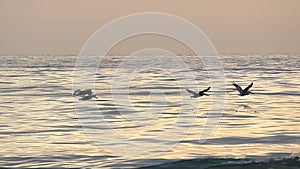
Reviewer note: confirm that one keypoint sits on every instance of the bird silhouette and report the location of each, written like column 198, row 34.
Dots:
column 245, row 91
column 79, row 92
column 198, row 94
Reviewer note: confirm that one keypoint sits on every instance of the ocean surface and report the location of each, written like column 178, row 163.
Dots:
column 147, row 119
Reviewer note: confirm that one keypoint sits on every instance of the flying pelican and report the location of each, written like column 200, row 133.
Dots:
column 199, row 94
column 78, row 92
column 88, row 97
column 245, row 91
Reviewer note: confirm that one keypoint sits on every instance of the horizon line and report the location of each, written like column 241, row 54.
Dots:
column 177, row 54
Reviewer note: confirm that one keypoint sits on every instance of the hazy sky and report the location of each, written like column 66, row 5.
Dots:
column 234, row 26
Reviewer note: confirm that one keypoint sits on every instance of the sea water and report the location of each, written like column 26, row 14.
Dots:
column 41, row 127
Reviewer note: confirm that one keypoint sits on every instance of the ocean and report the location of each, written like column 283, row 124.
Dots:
column 143, row 117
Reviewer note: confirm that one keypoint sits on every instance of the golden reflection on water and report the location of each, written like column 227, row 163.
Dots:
column 38, row 117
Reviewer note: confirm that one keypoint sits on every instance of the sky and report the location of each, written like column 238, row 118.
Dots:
column 61, row 27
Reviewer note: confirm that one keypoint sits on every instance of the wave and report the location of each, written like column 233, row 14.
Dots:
column 231, row 163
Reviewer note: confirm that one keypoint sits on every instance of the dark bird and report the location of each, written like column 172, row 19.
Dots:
column 199, row 94
column 88, row 97
column 79, row 92
column 245, row 91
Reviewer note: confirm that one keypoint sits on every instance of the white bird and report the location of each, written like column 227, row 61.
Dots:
column 245, row 91
column 199, row 94
column 88, row 97
column 78, row 92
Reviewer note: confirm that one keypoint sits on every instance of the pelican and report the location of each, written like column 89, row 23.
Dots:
column 78, row 92
column 88, row 97
column 245, row 91
column 199, row 94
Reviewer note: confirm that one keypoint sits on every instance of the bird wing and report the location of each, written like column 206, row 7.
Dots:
column 191, row 92
column 87, row 91
column 238, row 87
column 248, row 87
column 75, row 92
column 206, row 89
